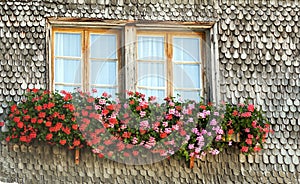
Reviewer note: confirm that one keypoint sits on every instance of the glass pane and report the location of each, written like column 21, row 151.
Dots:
column 103, row 72
column 188, row 95
column 110, row 91
column 186, row 49
column 103, row 46
column 150, row 48
column 186, row 76
column 151, row 74
column 159, row 94
column 66, row 88
column 67, row 71
column 68, row 44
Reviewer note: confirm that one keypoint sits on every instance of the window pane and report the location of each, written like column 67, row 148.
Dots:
column 68, row 44
column 188, row 95
column 103, row 46
column 103, row 72
column 186, row 49
column 151, row 74
column 110, row 91
column 66, row 88
column 67, row 71
column 150, row 48
column 159, row 94
column 186, row 76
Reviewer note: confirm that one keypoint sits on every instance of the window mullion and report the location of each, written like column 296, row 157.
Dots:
column 169, row 54
column 85, row 61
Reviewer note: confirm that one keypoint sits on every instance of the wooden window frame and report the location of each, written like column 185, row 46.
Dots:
column 210, row 84
column 168, row 46
column 85, row 54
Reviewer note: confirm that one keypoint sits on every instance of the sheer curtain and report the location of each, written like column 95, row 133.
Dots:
column 67, row 54
column 151, row 66
column 187, row 67
column 104, row 63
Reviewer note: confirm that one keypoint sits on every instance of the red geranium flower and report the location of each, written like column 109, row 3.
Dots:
column 62, row 142
column 49, row 136
column 163, row 135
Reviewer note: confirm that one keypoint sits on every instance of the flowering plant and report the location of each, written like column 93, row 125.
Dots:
column 205, row 131
column 133, row 126
column 45, row 116
column 136, row 125
column 249, row 122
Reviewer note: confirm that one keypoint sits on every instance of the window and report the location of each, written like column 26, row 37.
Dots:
column 85, row 59
column 166, row 63
column 169, row 64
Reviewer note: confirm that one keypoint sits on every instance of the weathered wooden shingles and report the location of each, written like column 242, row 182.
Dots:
column 175, row 10
column 22, row 50
column 259, row 57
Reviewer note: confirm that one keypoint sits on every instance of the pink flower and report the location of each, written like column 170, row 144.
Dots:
column 249, row 141
column 191, row 146
column 247, row 130
column 171, row 111
column 142, row 113
column 250, row 107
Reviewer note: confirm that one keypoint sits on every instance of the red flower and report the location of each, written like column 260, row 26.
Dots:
column 244, row 149
column 110, row 107
column 84, row 113
column 74, row 126
column 138, row 108
column 135, row 153
column 48, row 123
column 42, row 115
column 49, row 136
column 20, row 124
column 62, row 142
column 246, row 114
column 23, row 138
column 113, row 121
column 26, row 117
column 40, row 121
column 33, row 120
column 107, row 142
column 169, row 116
column 38, row 108
column 17, row 119
column 163, row 135
column 257, row 148
column 13, row 108
column 1, row 124
column 230, row 131
column 202, row 107
column 32, row 135
column 126, row 154
column 62, row 117
column 50, row 105
column 235, row 113
column 7, row 139
column 100, row 155
column 131, row 102
column 66, row 130
column 58, row 126
column 182, row 132
column 250, row 107
column 105, row 112
column 142, row 131
column 126, row 135
column 90, row 99
column 34, row 90
column 76, row 142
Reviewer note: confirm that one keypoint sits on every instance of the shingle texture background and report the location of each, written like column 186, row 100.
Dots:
column 259, row 55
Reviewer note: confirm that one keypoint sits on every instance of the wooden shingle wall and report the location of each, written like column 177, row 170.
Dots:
column 258, row 57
